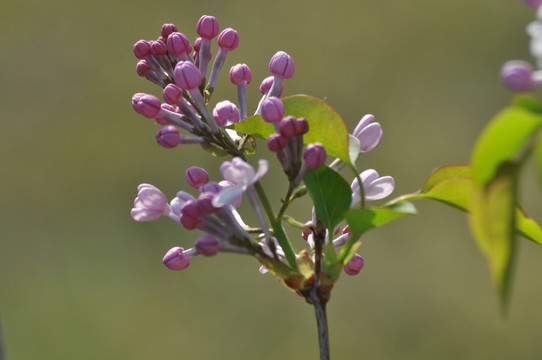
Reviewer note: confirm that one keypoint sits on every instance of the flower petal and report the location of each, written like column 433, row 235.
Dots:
column 379, row 188
column 228, row 195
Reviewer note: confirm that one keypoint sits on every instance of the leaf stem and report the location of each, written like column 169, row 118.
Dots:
column 278, row 230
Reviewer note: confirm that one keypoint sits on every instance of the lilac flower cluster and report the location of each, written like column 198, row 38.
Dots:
column 519, row 75
column 180, row 69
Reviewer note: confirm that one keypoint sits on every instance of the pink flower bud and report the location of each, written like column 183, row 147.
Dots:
column 196, row 176
column 187, row 76
column 168, row 137
column 288, row 126
column 355, row 265
column 226, row 113
column 302, row 126
column 272, row 110
column 240, row 73
column 517, row 75
column 149, row 106
column 205, row 201
column 315, row 155
column 172, row 93
column 142, row 49
column 207, row 245
column 176, row 260
column 135, row 100
column 368, row 133
column 535, row 4
column 207, row 27
column 178, row 44
column 158, row 48
column 276, row 143
column 211, row 187
column 168, row 29
column 282, row 65
column 228, row 39
column 142, row 68
column 266, row 86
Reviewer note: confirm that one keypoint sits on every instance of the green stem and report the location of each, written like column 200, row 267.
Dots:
column 286, row 201
column 278, row 230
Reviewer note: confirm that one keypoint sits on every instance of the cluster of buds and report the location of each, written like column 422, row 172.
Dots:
column 181, row 73
column 519, row 75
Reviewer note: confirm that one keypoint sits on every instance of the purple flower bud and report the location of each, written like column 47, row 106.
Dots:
column 282, row 65
column 159, row 119
column 355, row 265
column 175, row 259
column 276, row 142
column 535, row 4
column 172, row 93
column 178, row 44
column 142, row 68
column 228, row 39
column 205, row 201
column 148, row 106
column 187, row 76
column 197, row 45
column 272, row 110
column 240, row 73
column 158, row 48
column 207, row 27
column 168, row 137
column 142, row 49
column 302, row 126
column 150, row 203
column 135, row 100
column 167, row 29
column 266, row 86
column 196, row 176
column 314, row 155
column 226, row 113
column 191, row 208
column 517, row 75
column 368, row 133
column 288, row 126
column 207, row 245
column 212, row 187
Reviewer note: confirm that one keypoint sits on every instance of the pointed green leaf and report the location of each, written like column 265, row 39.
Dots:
column 492, row 220
column 453, row 185
column 363, row 220
column 445, row 172
column 325, row 124
column 528, row 102
column 330, row 193
column 538, row 156
column 501, row 140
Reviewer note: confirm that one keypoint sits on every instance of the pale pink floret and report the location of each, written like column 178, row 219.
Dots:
column 368, row 133
column 149, row 204
column 375, row 187
column 242, row 175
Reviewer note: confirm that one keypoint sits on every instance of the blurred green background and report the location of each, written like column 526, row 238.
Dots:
column 80, row 280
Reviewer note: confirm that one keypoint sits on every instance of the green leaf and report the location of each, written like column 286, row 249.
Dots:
column 538, row 155
column 362, row 220
column 330, row 193
column 492, row 221
column 453, row 185
column 445, row 172
column 325, row 124
column 528, row 102
column 501, row 140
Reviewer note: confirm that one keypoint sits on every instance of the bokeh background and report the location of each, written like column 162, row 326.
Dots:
column 80, row 280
